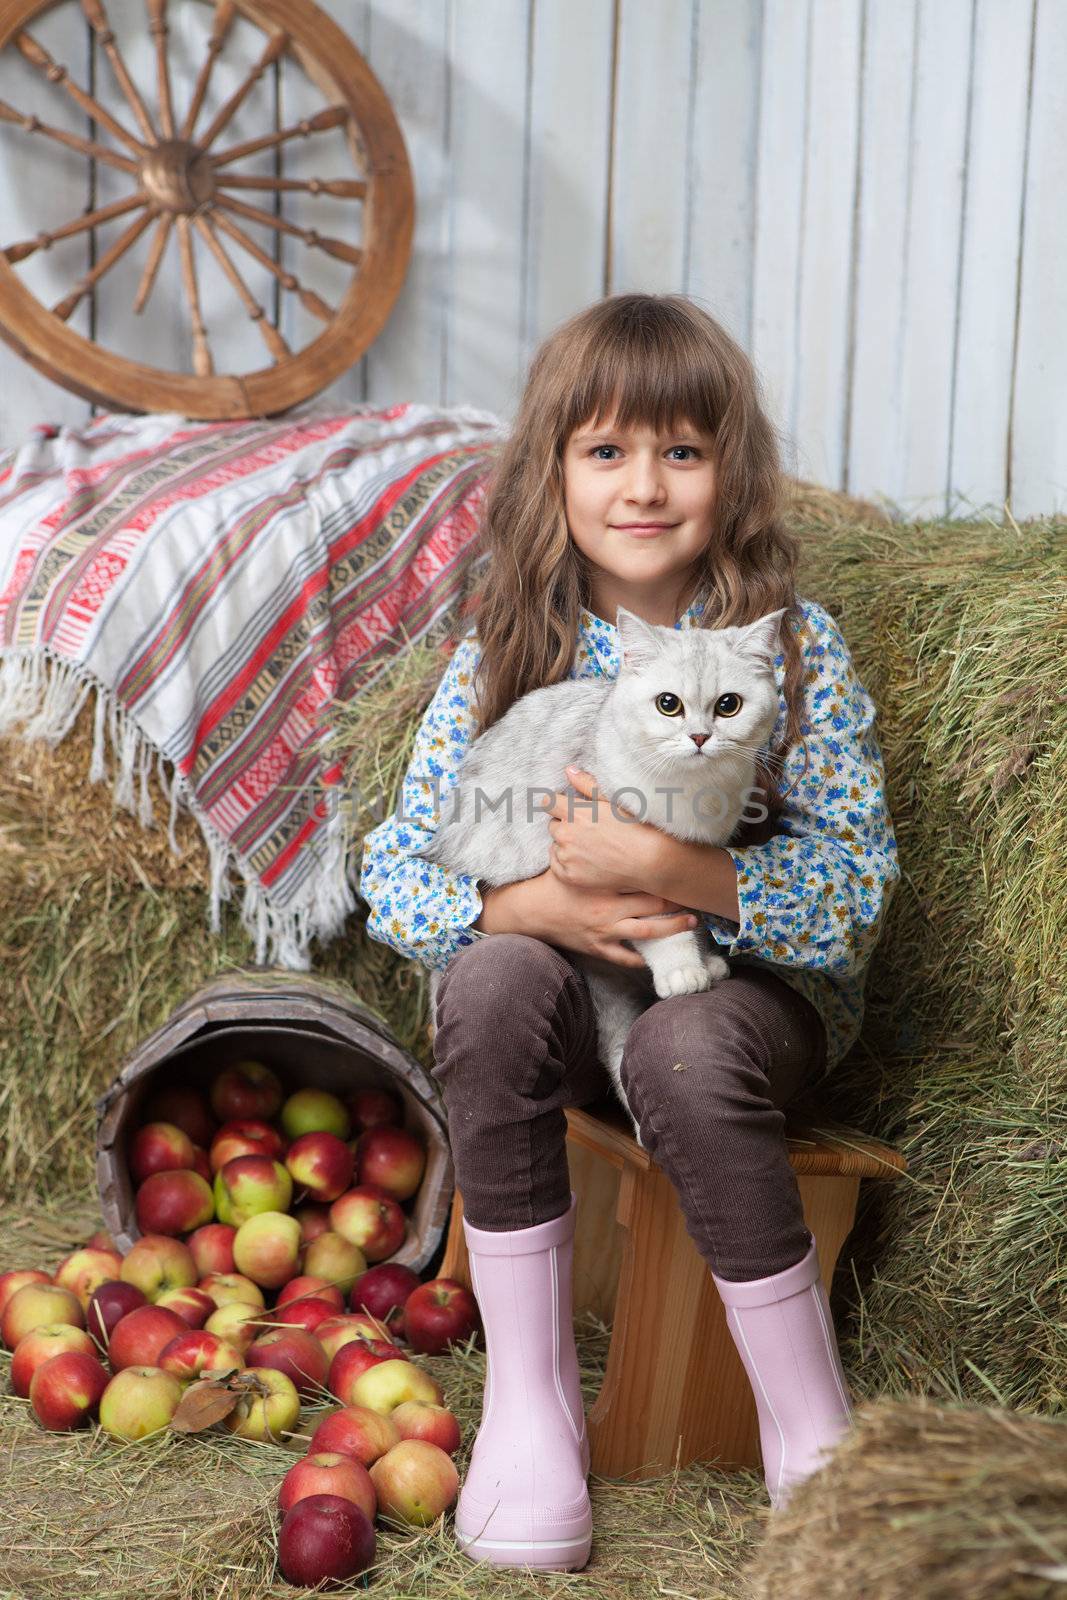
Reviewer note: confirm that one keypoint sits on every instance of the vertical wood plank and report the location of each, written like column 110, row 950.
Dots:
column 722, row 195
column 1038, row 450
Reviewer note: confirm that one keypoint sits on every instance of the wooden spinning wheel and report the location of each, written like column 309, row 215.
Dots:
column 187, row 182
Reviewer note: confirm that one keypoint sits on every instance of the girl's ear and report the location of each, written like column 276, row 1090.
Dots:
column 638, row 644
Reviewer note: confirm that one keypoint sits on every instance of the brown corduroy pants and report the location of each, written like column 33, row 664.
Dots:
column 707, row 1077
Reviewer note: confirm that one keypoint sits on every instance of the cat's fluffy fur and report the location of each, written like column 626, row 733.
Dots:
column 493, row 827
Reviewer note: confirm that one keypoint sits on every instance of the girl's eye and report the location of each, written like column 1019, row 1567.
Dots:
column 669, row 704
column 728, row 705
column 598, row 447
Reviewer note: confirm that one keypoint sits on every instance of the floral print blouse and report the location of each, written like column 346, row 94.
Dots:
column 812, row 898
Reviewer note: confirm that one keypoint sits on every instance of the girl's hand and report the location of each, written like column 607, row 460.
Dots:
column 596, row 922
column 596, row 846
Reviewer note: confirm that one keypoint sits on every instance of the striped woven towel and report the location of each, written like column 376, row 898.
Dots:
column 217, row 585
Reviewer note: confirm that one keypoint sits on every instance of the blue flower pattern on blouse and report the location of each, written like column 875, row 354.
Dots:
column 812, row 899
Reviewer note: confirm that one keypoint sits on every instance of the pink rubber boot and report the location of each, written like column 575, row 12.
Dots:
column 785, row 1337
column 524, row 1501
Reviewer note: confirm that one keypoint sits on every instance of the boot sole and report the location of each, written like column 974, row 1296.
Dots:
column 549, row 1555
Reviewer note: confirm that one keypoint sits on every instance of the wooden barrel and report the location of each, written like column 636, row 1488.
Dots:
column 313, row 1032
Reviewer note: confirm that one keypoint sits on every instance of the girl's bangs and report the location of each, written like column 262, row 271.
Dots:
column 662, row 389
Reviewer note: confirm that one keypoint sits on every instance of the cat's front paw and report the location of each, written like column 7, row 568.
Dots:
column 717, row 968
column 687, row 978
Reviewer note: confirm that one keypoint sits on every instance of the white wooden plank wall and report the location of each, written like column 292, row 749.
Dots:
column 866, row 193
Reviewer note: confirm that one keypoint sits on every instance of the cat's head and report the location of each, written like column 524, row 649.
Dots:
column 676, row 685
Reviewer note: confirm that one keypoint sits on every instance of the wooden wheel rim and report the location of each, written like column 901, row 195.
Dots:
column 332, row 61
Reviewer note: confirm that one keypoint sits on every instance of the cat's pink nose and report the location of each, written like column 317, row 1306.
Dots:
column 699, row 738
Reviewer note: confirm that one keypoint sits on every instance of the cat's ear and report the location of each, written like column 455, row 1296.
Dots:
column 761, row 638
column 638, row 644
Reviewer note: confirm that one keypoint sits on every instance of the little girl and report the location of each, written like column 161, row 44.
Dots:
column 641, row 471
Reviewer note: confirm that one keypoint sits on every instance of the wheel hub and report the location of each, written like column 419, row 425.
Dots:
column 178, row 176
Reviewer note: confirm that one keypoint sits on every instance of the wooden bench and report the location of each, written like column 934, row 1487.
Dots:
column 674, row 1389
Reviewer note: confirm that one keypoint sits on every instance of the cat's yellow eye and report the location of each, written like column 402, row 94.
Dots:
column 669, row 704
column 728, row 705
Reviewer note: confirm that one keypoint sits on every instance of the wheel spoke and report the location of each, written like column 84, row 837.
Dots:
column 94, row 11
column 158, row 28
column 272, row 51
column 317, row 241
column 19, row 252
column 106, row 262
column 340, row 188
column 88, row 147
column 225, row 11
column 36, row 54
column 288, row 280
column 271, row 337
column 155, row 255
column 332, row 117
column 203, row 365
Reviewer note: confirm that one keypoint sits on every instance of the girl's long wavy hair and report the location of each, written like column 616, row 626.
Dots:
column 657, row 361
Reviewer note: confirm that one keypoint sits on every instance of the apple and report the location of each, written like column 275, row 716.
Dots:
column 226, row 1287
column 267, row 1248
column 85, row 1270
column 173, row 1203
column 137, row 1339
column 353, row 1359
column 414, row 1481
column 419, row 1419
column 201, row 1164
column 250, row 1185
column 236, row 1323
column 188, row 1355
column 65, row 1390
column 139, row 1401
column 370, row 1219
column 18, row 1279
column 328, row 1472
column 392, row 1158
column 269, row 1410
column 306, row 1314
column 324, row 1538
column 339, row 1331
column 314, row 1111
column 40, row 1345
column 320, row 1165
column 194, row 1306
column 158, row 1147
column 439, row 1314
column 108, row 1305
column 355, row 1431
column 308, row 1286
column 245, row 1137
column 313, row 1220
column 247, row 1089
column 36, row 1305
column 369, row 1108
column 389, row 1383
column 183, row 1106
column 212, row 1247
column 296, row 1353
column 333, row 1258
column 383, row 1289
column 156, row 1263
column 101, row 1241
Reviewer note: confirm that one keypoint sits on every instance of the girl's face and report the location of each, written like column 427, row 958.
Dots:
column 612, row 478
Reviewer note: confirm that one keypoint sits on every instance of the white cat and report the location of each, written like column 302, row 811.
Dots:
column 676, row 737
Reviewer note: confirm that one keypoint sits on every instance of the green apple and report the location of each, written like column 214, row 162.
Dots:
column 266, row 1248
column 139, row 1401
column 314, row 1111
column 270, row 1407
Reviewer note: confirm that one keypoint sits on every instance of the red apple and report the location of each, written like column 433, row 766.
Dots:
column 65, row 1390
column 18, row 1279
column 269, row 1411
column 355, row 1431
column 189, row 1355
column 249, row 1185
column 328, row 1472
column 212, row 1247
column 226, row 1287
column 415, row 1482
column 320, row 1165
column 267, row 1248
column 86, row 1270
column 40, row 1345
column 108, row 1305
column 247, row 1089
column 420, row 1419
column 369, row 1108
column 139, row 1401
column 391, row 1157
column 313, row 1220
column 339, row 1331
column 185, row 1107
column 139, row 1337
column 439, row 1314
column 371, row 1219
column 324, row 1538
column 159, row 1147
column 173, row 1202
column 245, row 1137
column 306, row 1314
column 36, row 1305
column 353, row 1359
column 194, row 1306
column 383, row 1288
column 156, row 1263
column 100, row 1241
column 333, row 1258
column 296, row 1353
column 389, row 1383
column 309, row 1287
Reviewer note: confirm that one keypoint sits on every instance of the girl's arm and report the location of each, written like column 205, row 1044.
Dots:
column 702, row 876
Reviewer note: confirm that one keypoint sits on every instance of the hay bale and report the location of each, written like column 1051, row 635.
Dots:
column 922, row 1499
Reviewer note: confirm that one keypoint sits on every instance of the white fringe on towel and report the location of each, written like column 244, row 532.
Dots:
column 40, row 698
